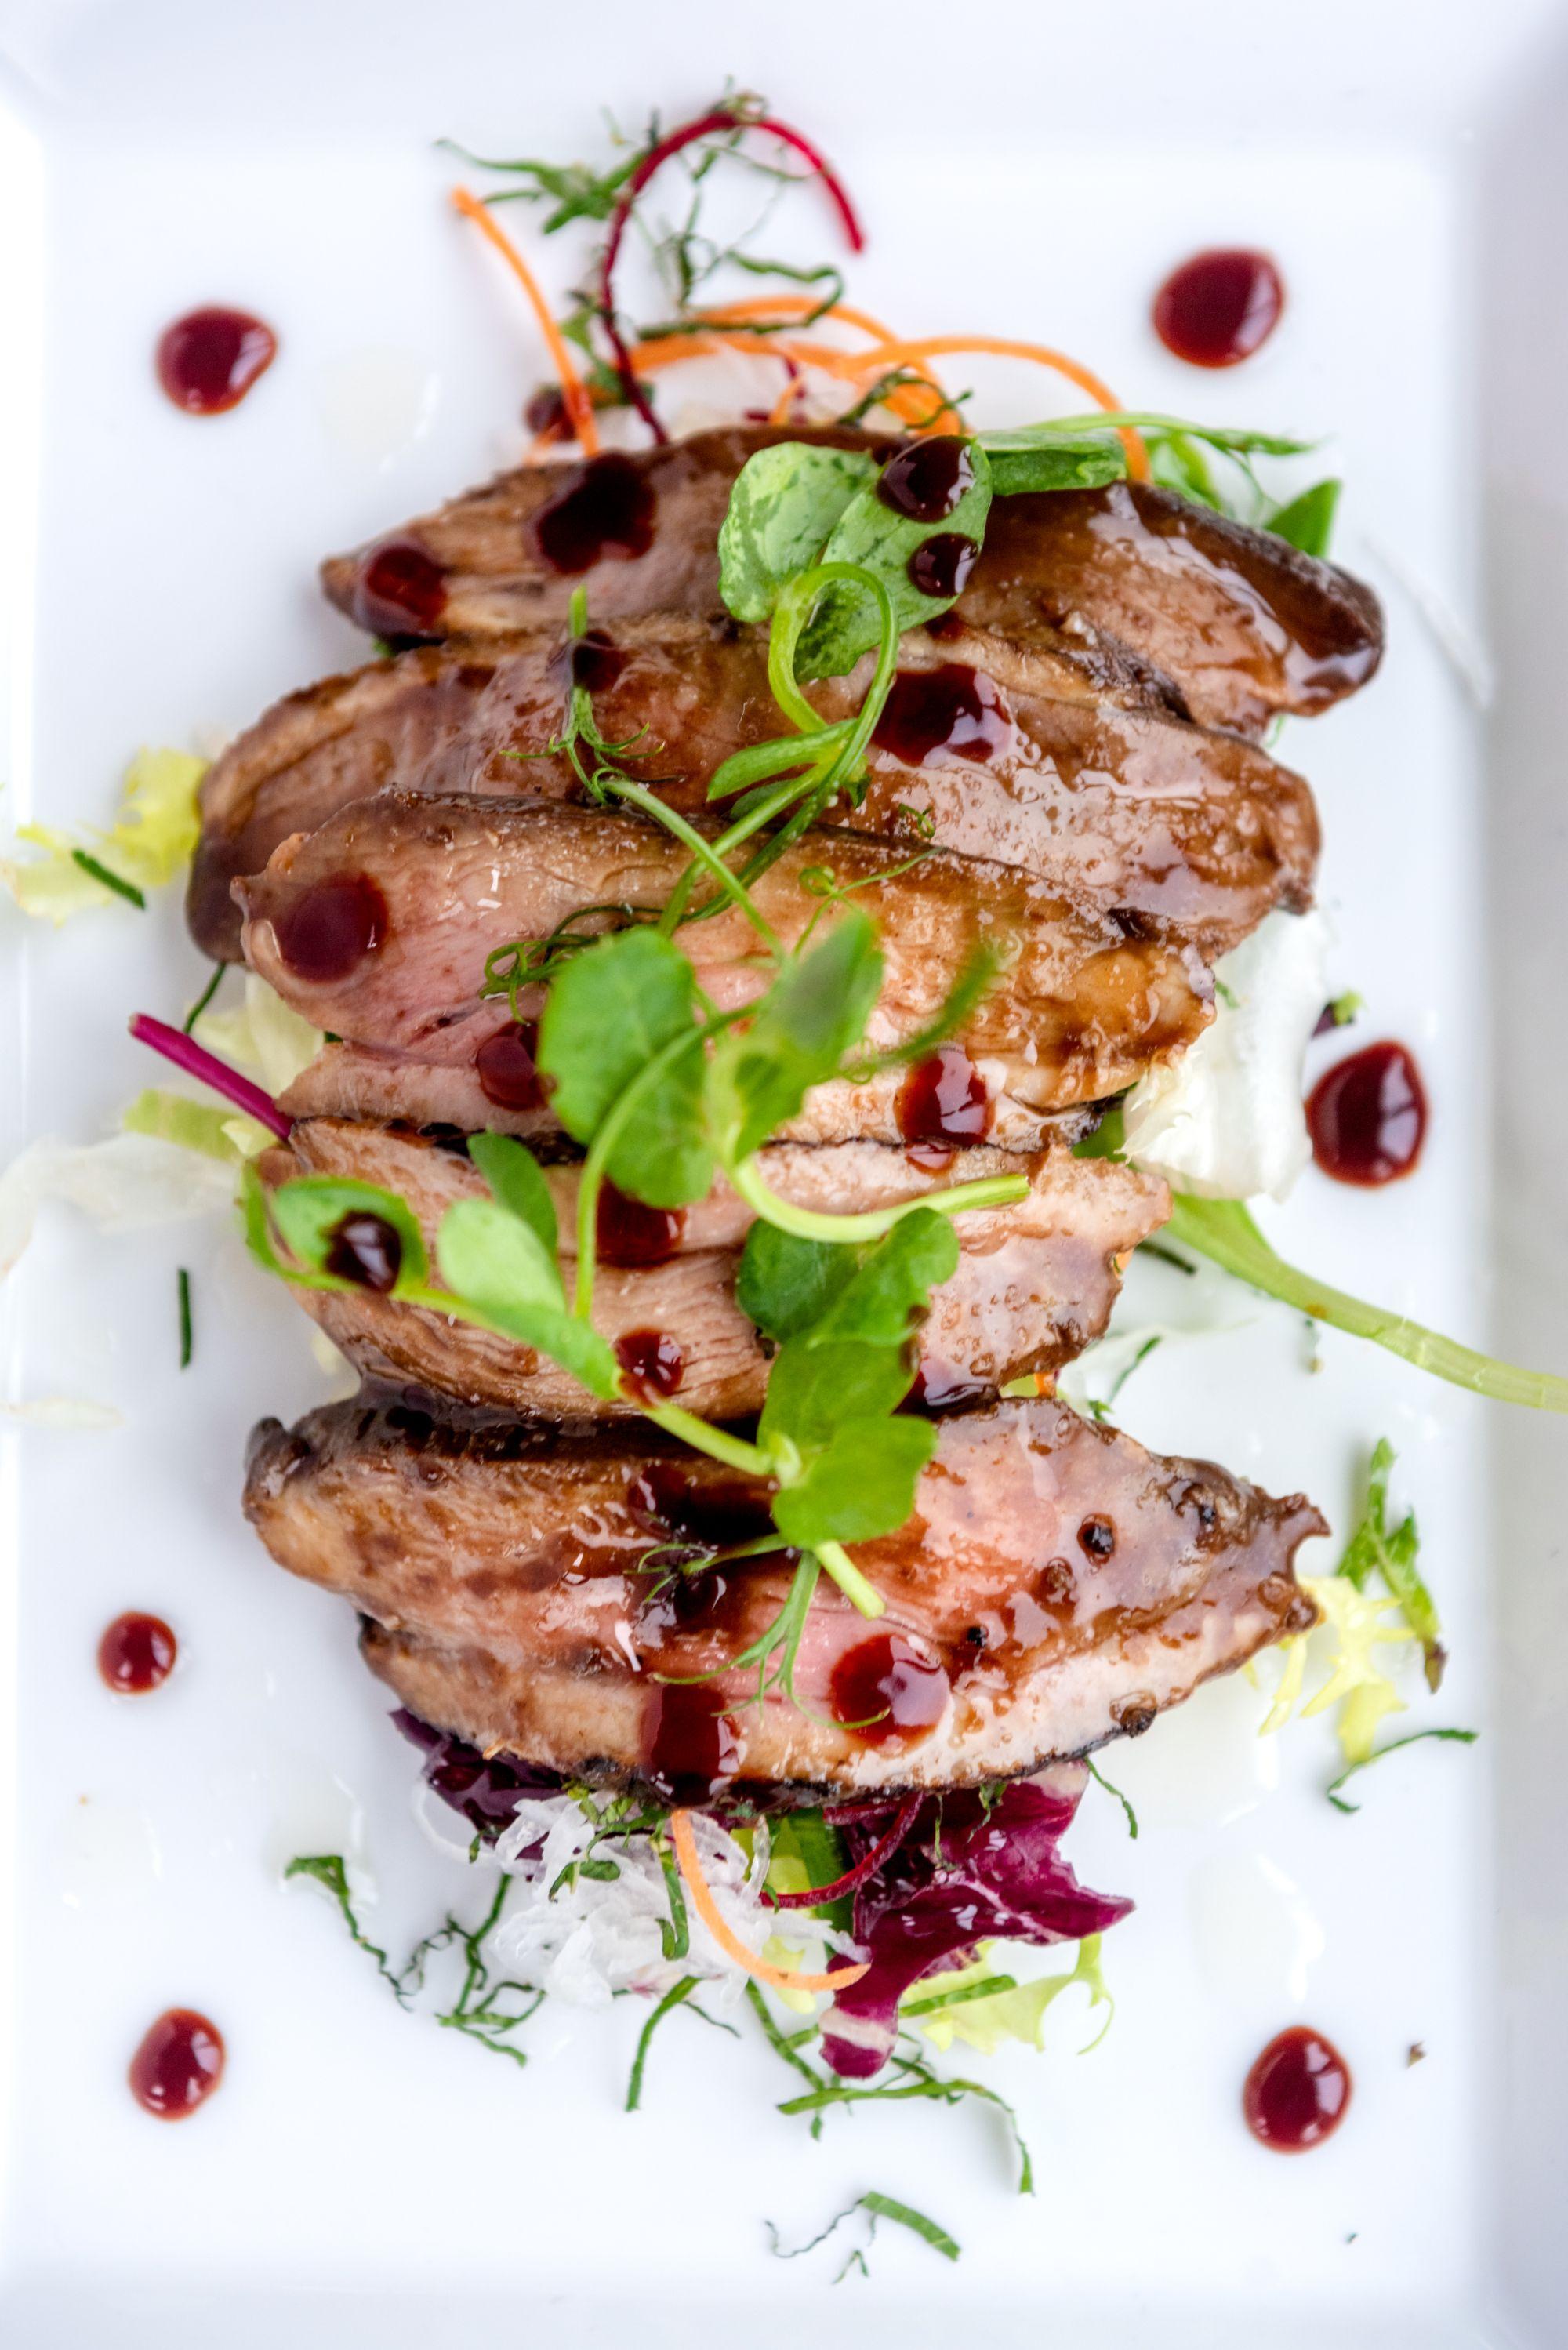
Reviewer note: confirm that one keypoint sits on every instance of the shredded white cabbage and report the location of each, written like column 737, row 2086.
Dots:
column 263, row 1036
column 63, row 1412
column 129, row 1182
column 1226, row 1120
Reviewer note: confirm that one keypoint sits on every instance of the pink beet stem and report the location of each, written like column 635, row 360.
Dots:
column 197, row 1062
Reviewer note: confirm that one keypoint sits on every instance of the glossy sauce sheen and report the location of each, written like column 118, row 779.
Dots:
column 208, row 361
column 950, row 712
column 596, row 660
column 328, row 929
column 1367, row 1117
column 1216, row 309
column 136, row 1654
column 178, row 2065
column 940, row 1386
column 884, row 1690
column 944, row 1099
column 631, row 1233
column 1297, row 2093
column 401, row 590
column 653, row 1363
column 925, row 481
column 504, row 1064
column 366, row 1249
column 689, row 1743
column 609, row 511
column 941, row 564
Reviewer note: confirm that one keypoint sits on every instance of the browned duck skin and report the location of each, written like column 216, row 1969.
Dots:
column 1056, row 1586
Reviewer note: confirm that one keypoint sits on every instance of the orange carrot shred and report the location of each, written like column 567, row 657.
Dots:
column 579, row 408
column 707, row 1908
column 887, row 355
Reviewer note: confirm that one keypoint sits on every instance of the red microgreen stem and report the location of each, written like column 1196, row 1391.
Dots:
column 206, row 1067
column 723, row 118
column 881, row 1851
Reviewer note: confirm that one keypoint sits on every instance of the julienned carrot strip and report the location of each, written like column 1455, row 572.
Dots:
column 707, row 1908
column 667, row 350
column 928, row 347
column 795, row 306
column 578, row 406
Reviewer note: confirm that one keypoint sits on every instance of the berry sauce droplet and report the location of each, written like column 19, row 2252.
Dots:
column 178, row 2064
column 1367, row 1117
column 399, row 591
column 941, row 564
column 653, row 1363
column 690, row 1744
column 1297, row 2093
column 884, row 1690
column 609, row 511
column 937, row 715
column 632, row 1233
column 208, row 361
column 366, row 1249
column 926, row 481
column 329, row 928
column 1216, row 309
column 944, row 1099
column 136, row 1654
column 506, row 1070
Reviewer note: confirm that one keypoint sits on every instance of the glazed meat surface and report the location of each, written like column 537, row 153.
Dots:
column 1080, row 1010
column 1055, row 1586
column 1228, row 624
column 1034, row 1283
column 1012, row 754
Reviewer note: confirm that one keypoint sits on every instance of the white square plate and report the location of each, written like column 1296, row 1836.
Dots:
column 362, row 2177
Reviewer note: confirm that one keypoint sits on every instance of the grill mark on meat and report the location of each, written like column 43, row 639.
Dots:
column 1093, row 790
column 501, row 1570
column 1079, row 1012
column 1036, row 1281
column 1233, row 624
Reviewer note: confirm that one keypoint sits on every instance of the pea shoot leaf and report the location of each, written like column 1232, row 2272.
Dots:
column 861, row 1484
column 609, row 1012
column 1046, row 457
column 1307, row 521
column 496, row 1259
column 514, row 1177
column 815, row 1010
column 308, row 1210
column 872, row 533
column 878, row 1293
column 783, row 510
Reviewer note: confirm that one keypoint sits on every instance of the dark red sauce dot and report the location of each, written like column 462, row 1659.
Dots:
column 884, row 1690
column 545, row 411
column 1218, row 308
column 399, row 591
column 950, row 712
column 653, row 1363
column 1298, row 2092
column 179, row 2064
column 944, row 1099
column 711, row 1511
column 1097, row 1538
column 596, row 660
column 609, row 510
column 329, row 928
column 136, row 1654
column 941, row 564
column 507, row 1071
column 208, row 361
column 926, row 481
column 1367, row 1116
column 366, row 1249
column 690, row 1744
column 631, row 1233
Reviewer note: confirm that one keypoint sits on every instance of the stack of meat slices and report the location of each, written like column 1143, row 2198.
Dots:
column 1081, row 736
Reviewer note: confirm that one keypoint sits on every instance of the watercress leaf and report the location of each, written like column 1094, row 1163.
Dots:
column 815, row 1010
column 783, row 1284
column 513, row 1174
column 886, row 1298
column 1043, row 457
column 783, row 510
column 496, row 1258
column 845, row 622
column 307, row 1210
column 861, row 1484
column 815, row 1390
column 1307, row 521
column 608, row 1010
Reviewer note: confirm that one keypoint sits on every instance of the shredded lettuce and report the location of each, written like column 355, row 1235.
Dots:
column 218, row 1133
column 1014, row 2011
column 150, row 842
column 1225, row 1120
column 264, row 1037
column 1356, row 1683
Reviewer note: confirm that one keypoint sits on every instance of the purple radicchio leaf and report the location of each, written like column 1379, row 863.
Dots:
column 964, row 1875
column 486, row 1792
